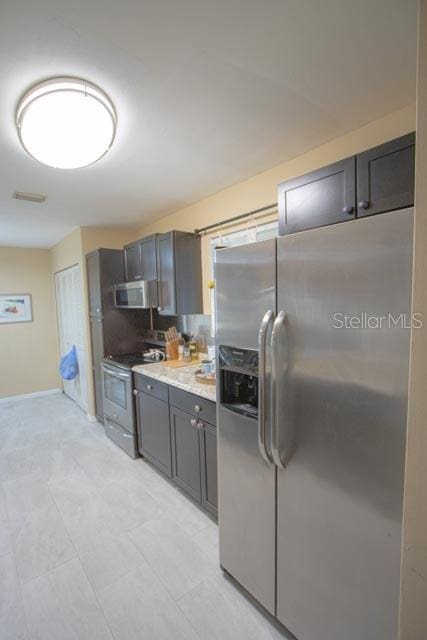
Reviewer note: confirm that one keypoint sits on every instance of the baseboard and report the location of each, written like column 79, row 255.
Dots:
column 91, row 418
column 25, row 396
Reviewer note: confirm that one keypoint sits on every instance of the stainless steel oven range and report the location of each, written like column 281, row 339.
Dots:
column 119, row 409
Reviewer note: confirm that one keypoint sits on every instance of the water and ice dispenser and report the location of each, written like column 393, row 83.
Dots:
column 238, row 371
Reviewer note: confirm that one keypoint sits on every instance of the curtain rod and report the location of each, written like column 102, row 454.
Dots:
column 248, row 214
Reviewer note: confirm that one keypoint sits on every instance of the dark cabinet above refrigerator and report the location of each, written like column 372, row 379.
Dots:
column 374, row 181
column 386, row 177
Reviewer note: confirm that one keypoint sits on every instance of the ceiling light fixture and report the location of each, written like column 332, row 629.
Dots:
column 66, row 123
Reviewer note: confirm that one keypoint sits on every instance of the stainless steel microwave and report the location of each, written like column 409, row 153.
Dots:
column 141, row 294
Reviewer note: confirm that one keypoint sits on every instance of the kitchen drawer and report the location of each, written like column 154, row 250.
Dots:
column 151, row 387
column 197, row 406
column 121, row 437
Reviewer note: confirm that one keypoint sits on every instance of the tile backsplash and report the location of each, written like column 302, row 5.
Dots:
column 197, row 325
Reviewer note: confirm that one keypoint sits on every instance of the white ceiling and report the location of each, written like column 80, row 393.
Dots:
column 208, row 92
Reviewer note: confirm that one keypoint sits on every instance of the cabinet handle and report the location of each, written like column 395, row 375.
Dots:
column 149, row 387
column 348, row 209
column 363, row 204
column 159, row 308
column 193, row 422
column 200, row 425
column 135, row 392
column 197, row 408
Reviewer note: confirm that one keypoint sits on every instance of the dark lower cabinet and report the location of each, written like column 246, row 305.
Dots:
column 194, row 461
column 208, row 450
column 319, row 198
column 186, row 452
column 154, row 438
column 180, row 444
column 386, row 177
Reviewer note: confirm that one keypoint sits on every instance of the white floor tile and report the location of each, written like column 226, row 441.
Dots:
column 219, row 612
column 61, row 605
column 110, row 559
column 137, row 607
column 147, row 565
column 41, row 542
column 175, row 558
column 12, row 620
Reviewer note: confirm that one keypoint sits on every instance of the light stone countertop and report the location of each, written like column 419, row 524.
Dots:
column 182, row 378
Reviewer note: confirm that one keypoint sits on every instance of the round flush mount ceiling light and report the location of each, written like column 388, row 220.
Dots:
column 66, row 123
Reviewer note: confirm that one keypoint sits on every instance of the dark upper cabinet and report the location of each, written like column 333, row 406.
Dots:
column 319, row 198
column 154, row 441
column 94, row 282
column 141, row 259
column 378, row 180
column 208, row 450
column 179, row 273
column 133, row 267
column 166, row 275
column 386, row 177
column 149, row 257
column 186, row 452
column 104, row 268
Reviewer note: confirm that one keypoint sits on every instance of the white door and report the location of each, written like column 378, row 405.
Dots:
column 69, row 305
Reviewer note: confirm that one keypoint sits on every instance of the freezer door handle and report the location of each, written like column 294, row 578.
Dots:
column 262, row 339
column 279, row 324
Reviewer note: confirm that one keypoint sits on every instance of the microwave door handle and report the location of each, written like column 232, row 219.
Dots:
column 279, row 324
column 262, row 339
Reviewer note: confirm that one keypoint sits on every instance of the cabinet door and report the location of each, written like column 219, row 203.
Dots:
column 386, row 177
column 94, row 283
column 166, row 274
column 149, row 258
column 209, row 468
column 133, row 263
column 154, row 440
column 186, row 452
column 319, row 198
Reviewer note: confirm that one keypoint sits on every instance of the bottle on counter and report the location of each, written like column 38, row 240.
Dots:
column 181, row 345
column 187, row 354
column 192, row 345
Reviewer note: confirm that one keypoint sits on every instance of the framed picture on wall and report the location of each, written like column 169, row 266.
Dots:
column 15, row 307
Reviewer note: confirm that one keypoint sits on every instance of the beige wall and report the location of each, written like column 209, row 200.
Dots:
column 413, row 612
column 28, row 351
column 261, row 189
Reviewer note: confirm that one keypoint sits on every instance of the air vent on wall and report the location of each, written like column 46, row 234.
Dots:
column 30, row 197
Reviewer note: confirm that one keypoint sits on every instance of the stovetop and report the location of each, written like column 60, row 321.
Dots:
column 127, row 360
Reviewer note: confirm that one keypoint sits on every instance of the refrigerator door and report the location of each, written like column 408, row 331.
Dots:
column 245, row 290
column 343, row 395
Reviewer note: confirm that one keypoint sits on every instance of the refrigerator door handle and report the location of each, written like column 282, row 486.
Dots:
column 279, row 324
column 262, row 339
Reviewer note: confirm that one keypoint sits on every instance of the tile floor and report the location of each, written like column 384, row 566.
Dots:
column 96, row 546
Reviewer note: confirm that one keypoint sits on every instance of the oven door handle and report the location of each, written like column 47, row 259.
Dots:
column 116, row 374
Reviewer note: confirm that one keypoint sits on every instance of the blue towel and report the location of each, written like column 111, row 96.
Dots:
column 69, row 365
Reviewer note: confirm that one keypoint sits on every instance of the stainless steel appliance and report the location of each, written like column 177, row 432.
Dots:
column 311, row 489
column 118, row 400
column 141, row 294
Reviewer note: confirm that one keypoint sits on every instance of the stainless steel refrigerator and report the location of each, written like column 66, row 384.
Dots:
column 311, row 491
